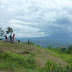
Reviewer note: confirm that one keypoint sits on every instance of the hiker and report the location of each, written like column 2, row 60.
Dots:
column 13, row 37
column 5, row 37
column 10, row 37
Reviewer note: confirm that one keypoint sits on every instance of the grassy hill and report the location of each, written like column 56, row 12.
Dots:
column 23, row 57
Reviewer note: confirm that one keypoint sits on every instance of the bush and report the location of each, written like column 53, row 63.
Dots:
column 63, row 50
column 18, row 41
column 28, row 42
column 39, row 46
column 32, row 43
column 69, row 51
column 49, row 47
column 1, row 39
column 70, row 48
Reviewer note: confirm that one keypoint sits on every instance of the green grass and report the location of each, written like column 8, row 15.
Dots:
column 10, row 61
column 25, row 57
column 53, row 67
column 57, row 53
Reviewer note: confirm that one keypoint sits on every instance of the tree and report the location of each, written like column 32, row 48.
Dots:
column 9, row 30
column 1, row 32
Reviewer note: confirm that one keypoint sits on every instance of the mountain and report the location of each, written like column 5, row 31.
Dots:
column 55, row 40
column 59, row 36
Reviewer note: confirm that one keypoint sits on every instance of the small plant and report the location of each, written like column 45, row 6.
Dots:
column 39, row 46
column 1, row 39
column 18, row 41
column 49, row 47
column 28, row 42
column 32, row 43
column 31, row 60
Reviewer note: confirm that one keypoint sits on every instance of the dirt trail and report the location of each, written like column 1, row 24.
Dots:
column 43, row 58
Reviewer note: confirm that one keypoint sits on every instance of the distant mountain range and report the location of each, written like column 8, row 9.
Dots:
column 61, row 36
column 56, row 40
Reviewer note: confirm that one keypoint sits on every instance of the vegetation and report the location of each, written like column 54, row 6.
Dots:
column 9, row 30
column 28, row 42
column 1, row 39
column 18, row 41
column 49, row 47
column 69, row 49
column 12, row 62
column 63, row 50
column 23, row 57
column 1, row 32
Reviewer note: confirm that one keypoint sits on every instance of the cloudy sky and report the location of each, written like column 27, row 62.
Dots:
column 36, row 18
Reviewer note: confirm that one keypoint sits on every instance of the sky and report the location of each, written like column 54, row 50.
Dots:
column 36, row 18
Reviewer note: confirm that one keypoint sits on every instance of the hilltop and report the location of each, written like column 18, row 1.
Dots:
column 23, row 57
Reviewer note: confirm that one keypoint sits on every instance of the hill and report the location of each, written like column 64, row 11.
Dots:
column 23, row 57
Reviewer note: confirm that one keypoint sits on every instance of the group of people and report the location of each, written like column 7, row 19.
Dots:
column 10, row 38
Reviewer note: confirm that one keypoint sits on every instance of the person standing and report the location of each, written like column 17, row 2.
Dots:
column 6, row 37
column 10, row 37
column 13, row 37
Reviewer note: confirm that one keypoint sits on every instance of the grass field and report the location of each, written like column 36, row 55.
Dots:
column 23, row 57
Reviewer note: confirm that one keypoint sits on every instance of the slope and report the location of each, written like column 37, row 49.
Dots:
column 41, row 55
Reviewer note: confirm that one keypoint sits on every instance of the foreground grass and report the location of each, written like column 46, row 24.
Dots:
column 24, row 57
column 65, row 56
column 14, row 62
column 19, row 63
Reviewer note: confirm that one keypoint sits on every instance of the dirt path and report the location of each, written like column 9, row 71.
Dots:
column 43, row 58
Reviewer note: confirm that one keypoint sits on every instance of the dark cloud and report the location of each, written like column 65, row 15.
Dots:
column 64, row 20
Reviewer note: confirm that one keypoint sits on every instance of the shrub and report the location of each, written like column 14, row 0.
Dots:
column 63, row 50
column 70, row 48
column 32, row 43
column 39, row 46
column 18, row 41
column 28, row 42
column 69, row 51
column 49, row 47
column 1, row 39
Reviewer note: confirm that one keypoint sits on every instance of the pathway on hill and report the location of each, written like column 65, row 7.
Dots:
column 45, row 56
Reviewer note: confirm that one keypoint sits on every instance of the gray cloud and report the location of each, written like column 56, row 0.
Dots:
column 36, row 17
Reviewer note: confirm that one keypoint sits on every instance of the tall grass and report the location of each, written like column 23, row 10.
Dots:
column 53, row 67
column 10, row 61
